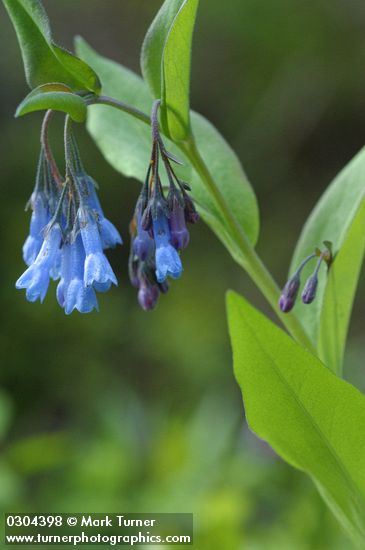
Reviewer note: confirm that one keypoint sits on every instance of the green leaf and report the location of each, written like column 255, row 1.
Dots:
column 339, row 217
column 126, row 144
column 43, row 60
column 166, row 63
column 154, row 44
column 54, row 96
column 78, row 69
column 314, row 420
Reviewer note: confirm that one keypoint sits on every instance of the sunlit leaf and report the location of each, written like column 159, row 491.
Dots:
column 313, row 419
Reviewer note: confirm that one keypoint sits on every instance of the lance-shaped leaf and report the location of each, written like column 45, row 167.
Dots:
column 166, row 63
column 339, row 217
column 43, row 60
column 314, row 420
column 126, row 144
column 57, row 97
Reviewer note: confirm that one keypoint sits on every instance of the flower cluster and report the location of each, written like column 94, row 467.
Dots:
column 158, row 228
column 67, row 238
column 69, row 231
column 291, row 289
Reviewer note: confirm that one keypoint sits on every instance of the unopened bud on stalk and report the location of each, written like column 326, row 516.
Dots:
column 289, row 294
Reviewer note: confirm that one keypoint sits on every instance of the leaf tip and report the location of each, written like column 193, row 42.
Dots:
column 232, row 298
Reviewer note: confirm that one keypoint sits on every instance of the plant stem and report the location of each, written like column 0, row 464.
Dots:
column 249, row 259
column 105, row 100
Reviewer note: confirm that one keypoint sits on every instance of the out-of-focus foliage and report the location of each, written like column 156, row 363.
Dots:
column 125, row 411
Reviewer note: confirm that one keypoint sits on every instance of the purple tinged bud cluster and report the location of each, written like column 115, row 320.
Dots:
column 159, row 229
column 290, row 291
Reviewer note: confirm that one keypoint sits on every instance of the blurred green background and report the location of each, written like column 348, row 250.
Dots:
column 125, row 411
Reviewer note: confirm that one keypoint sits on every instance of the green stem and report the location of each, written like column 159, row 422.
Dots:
column 248, row 257
column 121, row 106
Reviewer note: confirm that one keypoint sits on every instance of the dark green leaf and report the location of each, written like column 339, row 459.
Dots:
column 339, row 217
column 57, row 97
column 166, row 63
column 126, row 144
column 314, row 420
column 43, row 60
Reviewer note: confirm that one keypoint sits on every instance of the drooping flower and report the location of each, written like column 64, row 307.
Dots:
column 168, row 262
column 97, row 268
column 40, row 212
column 36, row 278
column 38, row 222
column 78, row 296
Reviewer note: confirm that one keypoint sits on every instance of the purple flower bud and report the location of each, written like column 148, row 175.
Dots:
column 143, row 245
column 179, row 235
column 286, row 304
column 289, row 294
column 148, row 296
column 146, row 221
column 310, row 289
column 191, row 215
